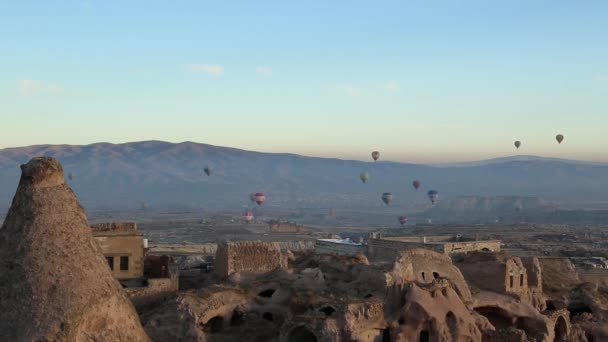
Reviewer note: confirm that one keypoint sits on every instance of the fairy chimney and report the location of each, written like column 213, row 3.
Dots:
column 55, row 284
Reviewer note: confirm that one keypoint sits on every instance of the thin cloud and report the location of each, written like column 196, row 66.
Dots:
column 602, row 77
column 350, row 89
column 34, row 87
column 392, row 87
column 263, row 70
column 212, row 69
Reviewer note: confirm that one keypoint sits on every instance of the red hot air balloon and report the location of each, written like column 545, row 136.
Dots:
column 416, row 184
column 248, row 216
column 403, row 220
column 259, row 198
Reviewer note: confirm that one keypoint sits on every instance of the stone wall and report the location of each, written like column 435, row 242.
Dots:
column 534, row 271
column 388, row 250
column 157, row 289
column 471, row 246
column 325, row 247
column 496, row 273
column 425, row 267
column 247, row 256
column 114, row 227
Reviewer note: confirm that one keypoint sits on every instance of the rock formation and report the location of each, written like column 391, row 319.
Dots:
column 55, row 284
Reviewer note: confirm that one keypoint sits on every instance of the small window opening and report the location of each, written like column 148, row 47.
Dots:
column 328, row 310
column 521, row 280
column 435, row 275
column 124, row 263
column 510, row 281
column 267, row 293
column 268, row 316
column 423, row 277
column 369, row 295
column 110, row 262
column 424, row 336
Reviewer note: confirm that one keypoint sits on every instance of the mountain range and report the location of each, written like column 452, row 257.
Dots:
column 163, row 174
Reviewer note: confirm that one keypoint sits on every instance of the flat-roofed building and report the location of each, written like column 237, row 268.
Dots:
column 124, row 248
column 387, row 248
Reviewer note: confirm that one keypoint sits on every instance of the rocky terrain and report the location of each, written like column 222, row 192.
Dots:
column 54, row 282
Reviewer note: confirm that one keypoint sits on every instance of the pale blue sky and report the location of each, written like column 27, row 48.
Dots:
column 418, row 80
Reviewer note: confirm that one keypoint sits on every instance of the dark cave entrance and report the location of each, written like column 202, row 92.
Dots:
column 268, row 316
column 497, row 317
column 424, row 336
column 266, row 293
column 214, row 325
column 386, row 335
column 327, row 310
column 301, row 334
column 561, row 330
column 237, row 319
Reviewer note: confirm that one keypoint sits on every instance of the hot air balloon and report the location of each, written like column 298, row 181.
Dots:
column 364, row 176
column 403, row 220
column 259, row 198
column 375, row 155
column 70, row 177
column 208, row 170
column 387, row 197
column 433, row 196
column 248, row 217
column 416, row 184
column 517, row 144
column 144, row 205
column 559, row 138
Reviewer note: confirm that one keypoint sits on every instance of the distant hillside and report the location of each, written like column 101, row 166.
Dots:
column 167, row 174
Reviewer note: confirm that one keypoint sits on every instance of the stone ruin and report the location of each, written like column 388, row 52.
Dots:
column 54, row 282
column 247, row 257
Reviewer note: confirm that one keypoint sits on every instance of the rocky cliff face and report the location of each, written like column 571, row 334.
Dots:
column 54, row 282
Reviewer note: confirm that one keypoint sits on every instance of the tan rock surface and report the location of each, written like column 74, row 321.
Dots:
column 55, row 284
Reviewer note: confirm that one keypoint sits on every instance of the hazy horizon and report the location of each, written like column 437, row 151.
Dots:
column 355, row 156
column 418, row 82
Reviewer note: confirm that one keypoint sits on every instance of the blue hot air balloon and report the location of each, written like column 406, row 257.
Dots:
column 433, row 196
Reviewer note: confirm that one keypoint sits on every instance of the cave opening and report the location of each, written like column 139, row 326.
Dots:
column 237, row 319
column 452, row 323
column 386, row 335
column 497, row 317
column 268, row 316
column 561, row 330
column 266, row 293
column 301, row 334
column 214, row 325
column 327, row 310
column 435, row 275
column 424, row 336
